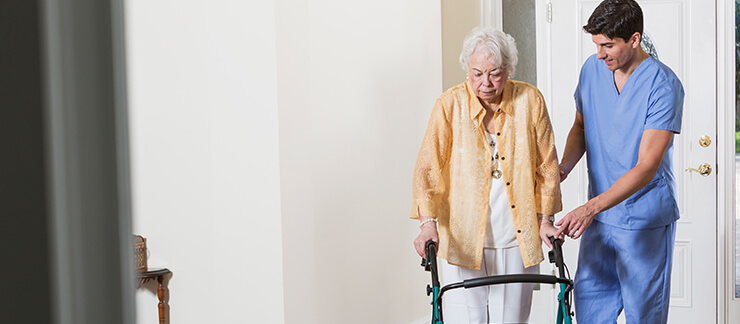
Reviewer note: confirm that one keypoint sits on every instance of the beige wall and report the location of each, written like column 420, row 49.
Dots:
column 459, row 17
column 272, row 150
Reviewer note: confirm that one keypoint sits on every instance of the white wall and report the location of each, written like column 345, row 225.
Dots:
column 357, row 81
column 273, row 145
column 205, row 168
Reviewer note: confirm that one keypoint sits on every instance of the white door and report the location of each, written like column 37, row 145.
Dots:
column 683, row 34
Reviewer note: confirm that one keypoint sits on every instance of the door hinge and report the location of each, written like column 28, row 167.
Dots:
column 549, row 12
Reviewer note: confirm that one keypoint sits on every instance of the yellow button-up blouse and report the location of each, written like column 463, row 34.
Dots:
column 452, row 178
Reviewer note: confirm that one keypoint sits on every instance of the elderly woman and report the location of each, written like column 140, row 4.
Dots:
column 486, row 183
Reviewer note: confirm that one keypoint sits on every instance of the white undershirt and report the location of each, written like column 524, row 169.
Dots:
column 500, row 230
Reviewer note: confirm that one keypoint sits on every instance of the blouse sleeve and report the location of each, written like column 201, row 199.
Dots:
column 428, row 182
column 547, row 178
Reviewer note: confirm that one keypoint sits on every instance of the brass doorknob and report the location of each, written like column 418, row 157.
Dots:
column 704, row 169
column 704, row 141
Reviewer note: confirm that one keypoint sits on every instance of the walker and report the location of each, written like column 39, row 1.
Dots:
column 555, row 256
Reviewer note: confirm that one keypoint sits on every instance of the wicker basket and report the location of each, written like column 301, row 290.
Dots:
column 140, row 253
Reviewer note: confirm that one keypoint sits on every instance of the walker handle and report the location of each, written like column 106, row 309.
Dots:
column 431, row 252
column 556, row 255
column 430, row 264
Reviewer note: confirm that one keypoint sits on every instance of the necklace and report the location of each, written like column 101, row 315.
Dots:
column 495, row 172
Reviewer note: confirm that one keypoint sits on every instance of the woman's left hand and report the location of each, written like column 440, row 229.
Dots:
column 547, row 230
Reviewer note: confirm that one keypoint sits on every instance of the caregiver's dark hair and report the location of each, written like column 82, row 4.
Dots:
column 615, row 18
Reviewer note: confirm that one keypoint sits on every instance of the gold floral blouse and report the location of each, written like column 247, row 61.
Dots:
column 452, row 178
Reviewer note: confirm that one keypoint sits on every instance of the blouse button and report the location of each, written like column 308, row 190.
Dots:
column 513, row 206
column 518, row 231
column 498, row 133
column 508, row 183
column 503, row 158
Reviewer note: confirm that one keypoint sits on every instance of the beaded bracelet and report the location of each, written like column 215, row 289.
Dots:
column 427, row 221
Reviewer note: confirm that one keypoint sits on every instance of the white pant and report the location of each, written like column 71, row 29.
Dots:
column 509, row 303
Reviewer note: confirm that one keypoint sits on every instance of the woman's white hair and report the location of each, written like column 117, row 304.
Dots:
column 500, row 47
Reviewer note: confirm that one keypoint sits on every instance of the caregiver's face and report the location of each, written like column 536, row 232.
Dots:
column 616, row 52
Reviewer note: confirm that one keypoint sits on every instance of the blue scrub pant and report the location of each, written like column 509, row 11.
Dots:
column 624, row 269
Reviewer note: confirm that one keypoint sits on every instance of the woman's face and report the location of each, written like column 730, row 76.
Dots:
column 488, row 80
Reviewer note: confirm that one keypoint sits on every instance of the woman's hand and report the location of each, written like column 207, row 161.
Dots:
column 547, row 230
column 428, row 232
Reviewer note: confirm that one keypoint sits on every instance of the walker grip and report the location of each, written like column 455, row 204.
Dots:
column 431, row 253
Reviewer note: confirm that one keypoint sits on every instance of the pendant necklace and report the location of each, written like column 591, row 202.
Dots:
column 495, row 172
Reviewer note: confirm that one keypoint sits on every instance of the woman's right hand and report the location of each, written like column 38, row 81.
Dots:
column 428, row 232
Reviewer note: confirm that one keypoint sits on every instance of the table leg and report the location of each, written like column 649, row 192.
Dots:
column 162, row 305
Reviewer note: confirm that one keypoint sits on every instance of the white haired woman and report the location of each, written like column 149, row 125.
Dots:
column 486, row 183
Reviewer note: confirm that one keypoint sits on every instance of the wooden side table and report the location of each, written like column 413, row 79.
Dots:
column 158, row 274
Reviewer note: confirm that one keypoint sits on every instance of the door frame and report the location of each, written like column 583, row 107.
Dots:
column 728, row 304
column 87, row 161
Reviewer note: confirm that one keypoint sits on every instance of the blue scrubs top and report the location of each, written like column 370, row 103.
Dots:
column 652, row 98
